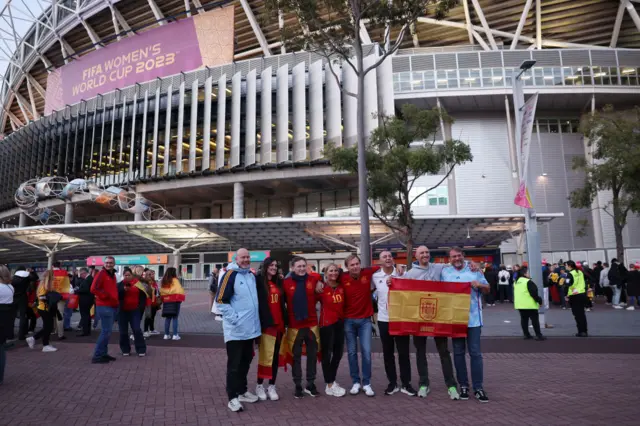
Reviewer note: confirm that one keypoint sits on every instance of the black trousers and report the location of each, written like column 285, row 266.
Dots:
column 442, row 345
column 504, row 292
column 306, row 336
column 276, row 362
column 578, row 303
column 239, row 357
column 608, row 292
column 525, row 315
column 389, row 343
column 47, row 327
column 149, row 323
column 332, row 344
column 21, row 305
column 85, row 303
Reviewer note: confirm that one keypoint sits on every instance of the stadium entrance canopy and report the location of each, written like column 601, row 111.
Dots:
column 80, row 240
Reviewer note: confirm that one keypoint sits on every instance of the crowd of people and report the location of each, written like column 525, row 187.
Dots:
column 280, row 312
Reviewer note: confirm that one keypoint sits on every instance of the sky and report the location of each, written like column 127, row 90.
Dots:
column 20, row 14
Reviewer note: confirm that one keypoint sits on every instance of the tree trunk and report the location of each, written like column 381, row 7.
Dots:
column 617, row 229
column 618, row 224
column 409, row 252
column 363, row 193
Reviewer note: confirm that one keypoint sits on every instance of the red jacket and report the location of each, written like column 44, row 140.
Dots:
column 289, row 290
column 357, row 291
column 105, row 288
column 132, row 297
column 332, row 300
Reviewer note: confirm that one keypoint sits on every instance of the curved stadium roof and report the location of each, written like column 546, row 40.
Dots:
column 57, row 31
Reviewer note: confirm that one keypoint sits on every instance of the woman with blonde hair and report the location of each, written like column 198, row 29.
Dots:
column 47, row 299
column 172, row 295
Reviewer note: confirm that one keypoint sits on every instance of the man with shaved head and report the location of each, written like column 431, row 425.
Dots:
column 238, row 300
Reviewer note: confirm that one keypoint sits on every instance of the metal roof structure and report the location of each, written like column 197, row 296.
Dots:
column 80, row 240
column 62, row 30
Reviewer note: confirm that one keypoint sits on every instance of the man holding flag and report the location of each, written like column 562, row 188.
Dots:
column 460, row 272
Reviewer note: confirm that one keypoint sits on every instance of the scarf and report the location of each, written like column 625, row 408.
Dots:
column 300, row 308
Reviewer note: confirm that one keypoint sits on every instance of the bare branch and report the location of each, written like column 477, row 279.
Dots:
column 433, row 187
column 391, row 51
column 385, row 221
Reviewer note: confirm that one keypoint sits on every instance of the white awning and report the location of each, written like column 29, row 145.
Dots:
column 80, row 240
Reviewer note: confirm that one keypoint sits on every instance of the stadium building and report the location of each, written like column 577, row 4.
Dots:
column 174, row 131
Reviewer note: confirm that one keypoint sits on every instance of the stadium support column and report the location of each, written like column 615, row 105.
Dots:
column 177, row 258
column 68, row 213
column 50, row 260
column 22, row 220
column 238, row 201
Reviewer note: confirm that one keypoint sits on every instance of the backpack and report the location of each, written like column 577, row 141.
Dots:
column 504, row 277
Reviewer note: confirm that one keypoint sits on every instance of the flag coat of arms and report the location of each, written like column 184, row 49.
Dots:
column 428, row 308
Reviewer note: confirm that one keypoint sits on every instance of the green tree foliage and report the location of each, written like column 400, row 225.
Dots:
column 614, row 141
column 395, row 163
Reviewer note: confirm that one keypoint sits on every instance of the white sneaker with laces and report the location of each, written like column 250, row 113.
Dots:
column 167, row 337
column 175, row 337
column 31, row 342
column 335, row 390
column 617, row 307
column 355, row 389
column 49, row 348
column 235, row 406
column 146, row 334
column 248, row 397
column 272, row 394
column 260, row 393
column 631, row 308
column 368, row 390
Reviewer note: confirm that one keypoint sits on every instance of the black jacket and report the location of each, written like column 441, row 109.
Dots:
column 84, row 286
column 266, row 319
column 20, row 282
column 533, row 291
column 633, row 283
column 614, row 275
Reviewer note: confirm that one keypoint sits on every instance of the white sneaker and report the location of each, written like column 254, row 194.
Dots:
column 154, row 332
column 167, row 337
column 235, row 406
column 617, row 307
column 175, row 337
column 49, row 348
column 146, row 334
column 623, row 304
column 631, row 308
column 31, row 342
column 218, row 318
column 335, row 390
column 355, row 389
column 260, row 393
column 248, row 397
column 132, row 337
column 369, row 391
column 423, row 391
column 272, row 394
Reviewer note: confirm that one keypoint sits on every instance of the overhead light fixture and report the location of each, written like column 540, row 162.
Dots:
column 549, row 77
column 526, row 77
column 544, row 174
column 416, row 82
column 526, row 65
column 628, row 70
column 600, row 74
column 442, row 80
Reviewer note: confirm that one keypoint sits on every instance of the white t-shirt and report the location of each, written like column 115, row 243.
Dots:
column 6, row 294
column 503, row 277
column 379, row 283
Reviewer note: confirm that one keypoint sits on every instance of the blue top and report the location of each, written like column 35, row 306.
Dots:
column 465, row 275
column 237, row 300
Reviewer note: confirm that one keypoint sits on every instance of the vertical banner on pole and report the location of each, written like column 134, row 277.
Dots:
column 526, row 127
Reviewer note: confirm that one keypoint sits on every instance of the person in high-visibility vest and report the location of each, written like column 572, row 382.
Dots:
column 577, row 297
column 527, row 301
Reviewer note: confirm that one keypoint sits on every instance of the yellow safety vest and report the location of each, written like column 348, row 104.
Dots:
column 521, row 297
column 577, row 286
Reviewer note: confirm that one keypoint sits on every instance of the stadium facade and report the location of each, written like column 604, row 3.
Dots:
column 223, row 130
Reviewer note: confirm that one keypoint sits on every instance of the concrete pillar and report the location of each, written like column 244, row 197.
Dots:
column 138, row 217
column 22, row 220
column 238, row 200
column 68, row 213
column 177, row 258
column 50, row 260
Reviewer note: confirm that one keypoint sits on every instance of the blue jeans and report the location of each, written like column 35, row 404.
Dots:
column 355, row 329
column 66, row 317
column 632, row 300
column 126, row 319
column 167, row 325
column 106, row 315
column 459, row 358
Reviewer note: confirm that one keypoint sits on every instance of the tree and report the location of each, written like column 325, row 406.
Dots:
column 394, row 164
column 614, row 140
column 334, row 29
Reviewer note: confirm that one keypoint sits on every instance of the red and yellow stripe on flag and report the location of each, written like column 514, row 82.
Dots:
column 267, row 352
column 290, row 338
column 428, row 308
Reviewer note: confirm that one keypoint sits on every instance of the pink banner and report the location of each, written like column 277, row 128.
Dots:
column 522, row 197
column 160, row 52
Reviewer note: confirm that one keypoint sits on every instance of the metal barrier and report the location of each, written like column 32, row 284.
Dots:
column 195, row 283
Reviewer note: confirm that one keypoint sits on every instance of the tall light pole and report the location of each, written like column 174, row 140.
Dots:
column 530, row 220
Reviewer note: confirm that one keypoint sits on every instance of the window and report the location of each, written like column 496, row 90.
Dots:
column 438, row 196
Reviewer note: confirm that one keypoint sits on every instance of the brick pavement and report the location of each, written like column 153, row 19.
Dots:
column 173, row 386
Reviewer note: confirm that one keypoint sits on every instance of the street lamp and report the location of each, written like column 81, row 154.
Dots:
column 530, row 221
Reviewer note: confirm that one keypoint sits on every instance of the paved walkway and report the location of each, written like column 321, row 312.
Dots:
column 499, row 320
column 174, row 386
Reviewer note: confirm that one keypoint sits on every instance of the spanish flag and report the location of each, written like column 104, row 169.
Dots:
column 428, row 308
column 290, row 338
column 267, row 353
